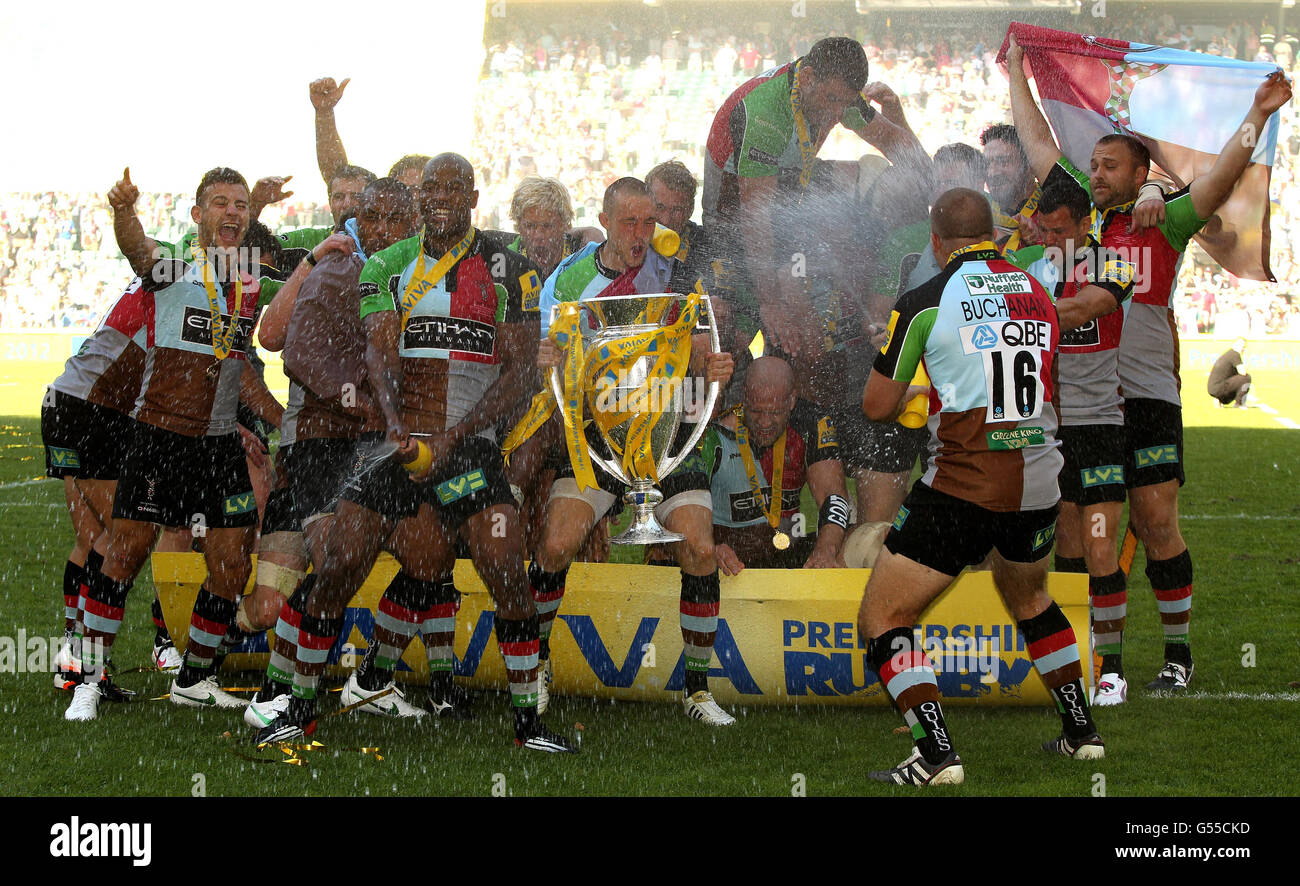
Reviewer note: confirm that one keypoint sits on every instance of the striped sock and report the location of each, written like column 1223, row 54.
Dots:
column 397, row 618
column 1069, row 564
column 907, row 674
column 94, row 564
column 73, row 576
column 1055, row 653
column 102, row 618
column 518, row 641
column 316, row 637
column 284, row 653
column 548, row 592
column 439, row 632
column 211, row 618
column 1171, row 580
column 161, row 635
column 699, row 617
column 1109, row 596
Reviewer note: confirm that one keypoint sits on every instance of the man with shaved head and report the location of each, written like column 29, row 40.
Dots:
column 759, row 456
column 987, row 333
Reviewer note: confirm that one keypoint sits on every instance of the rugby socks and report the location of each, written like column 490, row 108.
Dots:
column 316, row 636
column 699, row 615
column 73, row 577
column 234, row 637
column 1052, row 646
column 518, row 640
column 284, row 653
column 397, row 618
column 211, row 618
column 1069, row 564
column 907, row 674
column 94, row 563
column 1109, row 596
column 1171, row 580
column 161, row 636
column 101, row 618
column 548, row 592
column 439, row 632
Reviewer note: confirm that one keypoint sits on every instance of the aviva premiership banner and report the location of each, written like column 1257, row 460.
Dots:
column 784, row 636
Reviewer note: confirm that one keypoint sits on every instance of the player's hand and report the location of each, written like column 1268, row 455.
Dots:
column 1148, row 212
column 890, row 105
column 325, row 93
column 824, row 559
column 253, row 448
column 269, row 190
column 1273, row 93
column 340, row 242
column 1015, row 55
column 122, row 196
column 728, row 562
column 549, row 354
column 718, row 367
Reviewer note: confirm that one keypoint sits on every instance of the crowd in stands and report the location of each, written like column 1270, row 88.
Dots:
column 602, row 102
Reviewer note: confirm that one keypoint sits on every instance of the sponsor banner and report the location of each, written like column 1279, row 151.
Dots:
column 779, row 641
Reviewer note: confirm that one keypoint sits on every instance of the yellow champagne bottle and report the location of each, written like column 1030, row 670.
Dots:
column 917, row 411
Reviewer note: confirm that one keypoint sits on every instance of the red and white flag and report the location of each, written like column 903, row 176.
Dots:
column 1183, row 105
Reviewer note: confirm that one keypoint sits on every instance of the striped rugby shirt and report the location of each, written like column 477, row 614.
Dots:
column 987, row 334
column 448, row 344
column 1088, row 362
column 109, row 366
column 1148, row 353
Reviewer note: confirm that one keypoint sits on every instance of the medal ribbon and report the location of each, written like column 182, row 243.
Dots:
column 422, row 281
column 772, row 507
column 807, row 150
column 223, row 337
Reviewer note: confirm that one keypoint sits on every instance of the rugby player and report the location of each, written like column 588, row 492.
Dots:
column 1089, row 285
column 1148, row 354
column 185, row 463
column 447, row 349
column 1012, row 186
column 759, row 457
column 759, row 160
column 989, row 484
column 634, row 259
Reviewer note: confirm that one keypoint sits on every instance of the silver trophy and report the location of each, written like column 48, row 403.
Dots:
column 609, row 319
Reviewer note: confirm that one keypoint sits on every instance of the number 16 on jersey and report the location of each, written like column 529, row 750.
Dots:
column 1012, row 351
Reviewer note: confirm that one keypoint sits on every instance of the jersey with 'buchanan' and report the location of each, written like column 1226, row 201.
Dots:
column 109, row 367
column 753, row 136
column 1088, row 362
column 185, row 388
column 809, row 438
column 987, row 333
column 448, row 344
column 1148, row 353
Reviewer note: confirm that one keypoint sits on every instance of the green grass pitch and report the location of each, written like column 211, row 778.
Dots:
column 1241, row 517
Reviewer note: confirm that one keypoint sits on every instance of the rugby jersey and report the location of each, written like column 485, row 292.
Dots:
column 987, row 334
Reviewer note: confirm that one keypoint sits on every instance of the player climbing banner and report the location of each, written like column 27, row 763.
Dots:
column 780, row 641
column 1183, row 105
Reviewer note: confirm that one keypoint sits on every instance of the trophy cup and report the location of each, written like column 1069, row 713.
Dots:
column 648, row 408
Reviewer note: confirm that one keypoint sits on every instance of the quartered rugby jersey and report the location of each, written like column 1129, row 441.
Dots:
column 809, row 438
column 108, row 368
column 1148, row 353
column 754, row 135
column 581, row 276
column 987, row 333
column 448, row 344
column 185, row 388
column 1088, row 362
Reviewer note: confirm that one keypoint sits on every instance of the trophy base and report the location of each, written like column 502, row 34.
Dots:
column 644, row 529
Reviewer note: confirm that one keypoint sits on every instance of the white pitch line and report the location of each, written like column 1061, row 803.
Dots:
column 32, row 482
column 1240, row 696
column 1238, row 516
column 1280, row 419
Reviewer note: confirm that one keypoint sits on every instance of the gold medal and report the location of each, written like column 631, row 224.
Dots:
column 780, row 541
column 213, row 371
